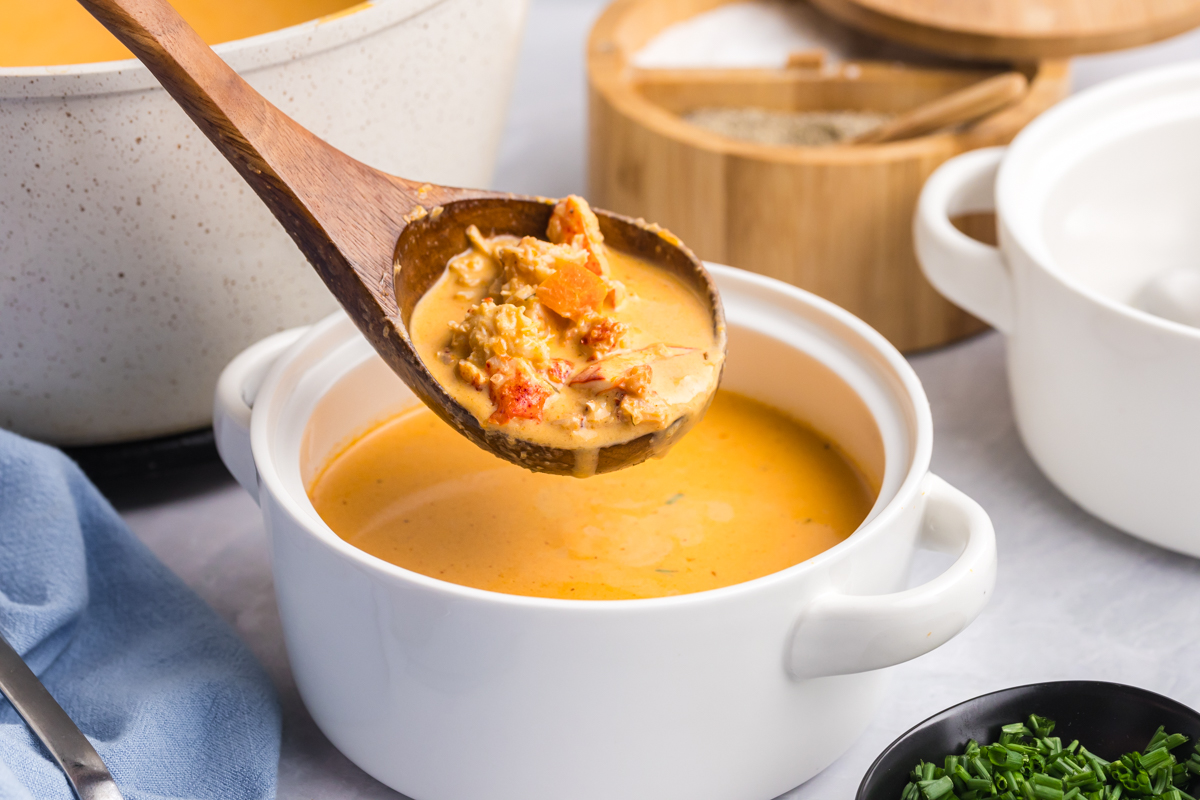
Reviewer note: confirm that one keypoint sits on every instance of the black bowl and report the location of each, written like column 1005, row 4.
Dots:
column 1110, row 719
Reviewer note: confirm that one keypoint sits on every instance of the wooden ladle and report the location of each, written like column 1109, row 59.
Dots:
column 378, row 241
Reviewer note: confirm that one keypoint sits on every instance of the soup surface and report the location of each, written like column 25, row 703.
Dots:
column 565, row 342
column 36, row 33
column 747, row 493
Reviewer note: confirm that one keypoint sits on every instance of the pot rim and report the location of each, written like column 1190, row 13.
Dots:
column 246, row 55
column 1084, row 119
column 895, row 369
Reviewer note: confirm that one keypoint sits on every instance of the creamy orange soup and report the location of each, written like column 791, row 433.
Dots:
column 747, row 493
column 35, row 33
column 565, row 342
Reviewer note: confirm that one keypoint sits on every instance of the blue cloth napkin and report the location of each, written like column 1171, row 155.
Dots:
column 174, row 703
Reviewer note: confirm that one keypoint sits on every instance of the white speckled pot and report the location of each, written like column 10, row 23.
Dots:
column 134, row 262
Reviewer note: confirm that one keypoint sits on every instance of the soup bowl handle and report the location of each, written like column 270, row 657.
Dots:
column 841, row 634
column 968, row 272
column 233, row 404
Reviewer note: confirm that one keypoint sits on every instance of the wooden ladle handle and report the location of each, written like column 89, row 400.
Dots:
column 310, row 186
column 964, row 105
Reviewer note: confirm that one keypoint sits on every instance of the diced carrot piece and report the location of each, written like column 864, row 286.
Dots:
column 572, row 291
column 515, row 389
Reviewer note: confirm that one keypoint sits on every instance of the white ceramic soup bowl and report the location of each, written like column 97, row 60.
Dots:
column 1095, row 199
column 135, row 262
column 450, row 693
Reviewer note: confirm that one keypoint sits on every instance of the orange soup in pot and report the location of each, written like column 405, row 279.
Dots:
column 37, row 33
column 747, row 493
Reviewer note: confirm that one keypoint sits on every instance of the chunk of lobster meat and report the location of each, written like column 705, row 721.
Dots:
column 472, row 374
column 602, row 336
column 636, row 380
column 645, row 408
column 484, row 244
column 516, row 390
column 617, row 370
column 573, row 222
column 529, row 261
column 501, row 330
column 573, row 292
column 559, row 371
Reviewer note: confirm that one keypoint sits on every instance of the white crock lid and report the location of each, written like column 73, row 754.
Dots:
column 1084, row 134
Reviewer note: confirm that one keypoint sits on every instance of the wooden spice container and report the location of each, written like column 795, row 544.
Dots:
column 834, row 220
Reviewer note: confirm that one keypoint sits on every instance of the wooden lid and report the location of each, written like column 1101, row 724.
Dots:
column 1018, row 29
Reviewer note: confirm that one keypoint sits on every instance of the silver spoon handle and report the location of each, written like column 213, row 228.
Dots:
column 70, row 748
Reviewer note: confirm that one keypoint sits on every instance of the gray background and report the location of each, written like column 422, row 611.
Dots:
column 1075, row 598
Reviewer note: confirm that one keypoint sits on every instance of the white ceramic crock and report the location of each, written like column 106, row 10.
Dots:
column 1094, row 199
column 450, row 693
column 134, row 262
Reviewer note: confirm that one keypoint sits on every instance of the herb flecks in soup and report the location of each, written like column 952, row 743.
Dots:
column 747, row 493
column 38, row 33
column 566, row 342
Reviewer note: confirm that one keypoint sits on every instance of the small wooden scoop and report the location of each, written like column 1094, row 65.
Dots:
column 377, row 240
column 958, row 107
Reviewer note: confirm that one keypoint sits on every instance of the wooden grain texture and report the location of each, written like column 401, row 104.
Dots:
column 378, row 241
column 836, row 221
column 957, row 107
column 1019, row 29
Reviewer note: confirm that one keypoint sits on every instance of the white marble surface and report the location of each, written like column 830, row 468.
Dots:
column 1075, row 598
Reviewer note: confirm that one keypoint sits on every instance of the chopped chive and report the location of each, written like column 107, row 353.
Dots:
column 1002, row 756
column 1070, row 763
column 1027, row 763
column 674, row 498
column 1161, row 782
column 936, row 790
column 1174, row 740
column 1045, row 780
column 1040, row 725
column 1154, row 758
